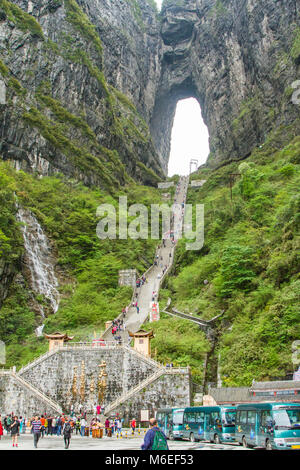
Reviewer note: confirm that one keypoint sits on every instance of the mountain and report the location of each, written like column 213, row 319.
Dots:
column 88, row 93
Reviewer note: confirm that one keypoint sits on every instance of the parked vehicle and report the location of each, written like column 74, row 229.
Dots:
column 269, row 425
column 169, row 421
column 210, row 423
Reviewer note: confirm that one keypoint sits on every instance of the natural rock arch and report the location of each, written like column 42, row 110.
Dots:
column 224, row 54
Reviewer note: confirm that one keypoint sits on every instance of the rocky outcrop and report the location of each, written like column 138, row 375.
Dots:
column 239, row 60
column 86, row 80
column 76, row 103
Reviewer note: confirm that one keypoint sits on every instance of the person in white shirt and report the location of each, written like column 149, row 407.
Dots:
column 82, row 426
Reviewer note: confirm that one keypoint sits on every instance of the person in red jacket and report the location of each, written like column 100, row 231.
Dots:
column 133, row 425
column 1, row 428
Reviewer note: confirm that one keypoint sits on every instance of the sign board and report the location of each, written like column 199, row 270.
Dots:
column 154, row 312
column 165, row 185
column 197, row 183
column 144, row 415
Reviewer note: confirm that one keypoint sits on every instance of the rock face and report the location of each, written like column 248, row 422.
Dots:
column 71, row 96
column 86, row 81
column 239, row 60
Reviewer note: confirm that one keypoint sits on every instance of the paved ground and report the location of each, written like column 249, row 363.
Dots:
column 88, row 443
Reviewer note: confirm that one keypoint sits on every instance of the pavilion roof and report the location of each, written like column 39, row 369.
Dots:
column 141, row 334
column 59, row 335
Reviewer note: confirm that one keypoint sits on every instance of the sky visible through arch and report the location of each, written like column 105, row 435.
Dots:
column 189, row 135
column 189, row 138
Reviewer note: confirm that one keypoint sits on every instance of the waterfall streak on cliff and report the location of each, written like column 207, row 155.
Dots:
column 40, row 264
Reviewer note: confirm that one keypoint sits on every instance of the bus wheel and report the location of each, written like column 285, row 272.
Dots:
column 244, row 442
column 171, row 437
column 192, row 437
column 268, row 445
column 216, row 439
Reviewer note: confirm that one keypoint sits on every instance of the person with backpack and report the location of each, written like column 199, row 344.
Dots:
column 154, row 439
column 67, row 431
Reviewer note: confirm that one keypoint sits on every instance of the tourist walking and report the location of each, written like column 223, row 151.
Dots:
column 154, row 439
column 133, row 425
column 43, row 421
column 1, row 428
column 82, row 425
column 14, row 431
column 53, row 425
column 106, row 426
column 67, row 431
column 36, row 430
column 119, row 426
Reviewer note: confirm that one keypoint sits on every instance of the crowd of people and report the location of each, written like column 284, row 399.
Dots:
column 59, row 426
column 64, row 426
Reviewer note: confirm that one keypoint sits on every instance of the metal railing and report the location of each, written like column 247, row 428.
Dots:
column 144, row 384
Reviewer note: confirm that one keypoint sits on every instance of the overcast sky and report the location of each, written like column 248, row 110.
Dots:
column 189, row 136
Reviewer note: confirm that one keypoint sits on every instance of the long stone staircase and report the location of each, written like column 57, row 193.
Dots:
column 155, row 277
column 154, row 274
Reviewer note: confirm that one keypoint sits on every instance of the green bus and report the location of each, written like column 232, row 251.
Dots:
column 170, row 421
column 268, row 425
column 209, row 423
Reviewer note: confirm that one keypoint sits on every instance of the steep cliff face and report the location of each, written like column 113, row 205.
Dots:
column 70, row 96
column 238, row 59
column 85, row 80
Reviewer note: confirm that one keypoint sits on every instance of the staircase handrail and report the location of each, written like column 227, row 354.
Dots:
column 151, row 378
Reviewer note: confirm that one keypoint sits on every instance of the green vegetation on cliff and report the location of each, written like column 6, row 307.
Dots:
column 71, row 131
column 21, row 19
column 249, row 265
column 87, row 266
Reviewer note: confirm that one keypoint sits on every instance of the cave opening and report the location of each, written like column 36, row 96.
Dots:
column 190, row 138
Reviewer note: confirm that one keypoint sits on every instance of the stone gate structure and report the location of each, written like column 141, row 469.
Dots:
column 68, row 377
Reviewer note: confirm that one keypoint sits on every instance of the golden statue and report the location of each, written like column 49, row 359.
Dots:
column 82, row 382
column 74, row 383
column 92, row 386
column 101, row 385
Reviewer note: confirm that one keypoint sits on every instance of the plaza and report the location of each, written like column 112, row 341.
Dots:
column 106, row 444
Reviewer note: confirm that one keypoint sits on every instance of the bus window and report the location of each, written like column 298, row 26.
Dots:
column 214, row 418
column 178, row 417
column 228, row 418
column 243, row 417
column 251, row 417
column 200, row 417
column 287, row 418
column 159, row 419
column 266, row 419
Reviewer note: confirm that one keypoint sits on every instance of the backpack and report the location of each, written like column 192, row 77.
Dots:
column 159, row 442
column 67, row 429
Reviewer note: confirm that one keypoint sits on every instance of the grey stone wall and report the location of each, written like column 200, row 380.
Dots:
column 168, row 391
column 18, row 399
column 54, row 375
